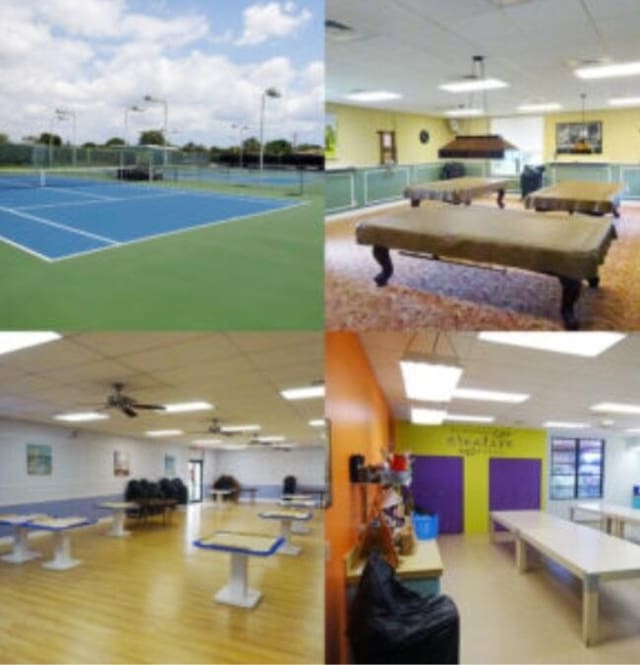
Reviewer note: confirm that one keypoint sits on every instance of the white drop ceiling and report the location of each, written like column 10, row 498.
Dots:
column 240, row 373
column 562, row 387
column 412, row 46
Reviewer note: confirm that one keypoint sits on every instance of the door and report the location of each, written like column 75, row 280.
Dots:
column 195, row 480
column 437, row 486
column 514, row 484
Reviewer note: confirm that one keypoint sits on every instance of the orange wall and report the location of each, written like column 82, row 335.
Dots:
column 360, row 424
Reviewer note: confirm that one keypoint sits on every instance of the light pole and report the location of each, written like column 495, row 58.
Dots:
column 242, row 129
column 65, row 114
column 154, row 100
column 135, row 109
column 273, row 93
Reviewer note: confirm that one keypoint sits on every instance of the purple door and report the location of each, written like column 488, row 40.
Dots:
column 514, row 484
column 437, row 486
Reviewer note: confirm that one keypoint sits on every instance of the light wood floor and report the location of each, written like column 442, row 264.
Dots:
column 508, row 617
column 148, row 598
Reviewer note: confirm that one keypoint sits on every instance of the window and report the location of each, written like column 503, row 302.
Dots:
column 527, row 134
column 577, row 468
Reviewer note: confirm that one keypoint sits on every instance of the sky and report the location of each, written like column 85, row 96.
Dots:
column 210, row 60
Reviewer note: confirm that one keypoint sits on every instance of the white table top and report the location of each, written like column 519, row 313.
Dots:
column 118, row 505
column 247, row 543
column 58, row 523
column 285, row 514
column 298, row 503
column 297, row 497
column 17, row 519
column 580, row 548
column 610, row 510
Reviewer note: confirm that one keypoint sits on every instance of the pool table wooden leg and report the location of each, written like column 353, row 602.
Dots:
column 500, row 199
column 381, row 255
column 570, row 293
column 415, row 203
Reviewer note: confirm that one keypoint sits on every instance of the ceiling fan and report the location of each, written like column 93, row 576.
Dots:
column 215, row 427
column 127, row 404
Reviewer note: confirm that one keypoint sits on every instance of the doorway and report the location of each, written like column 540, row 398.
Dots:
column 195, row 481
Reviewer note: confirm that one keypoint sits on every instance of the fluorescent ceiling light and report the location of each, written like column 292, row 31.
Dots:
column 608, row 71
column 317, row 422
column 271, row 439
column 472, row 85
column 184, row 407
column 81, row 417
column 207, row 442
column 164, row 432
column 308, row 392
column 240, row 428
column 429, row 378
column 14, row 341
column 463, row 113
column 589, row 344
column 489, row 395
column 453, row 417
column 553, row 424
column 535, row 108
column 624, row 101
column 615, row 407
column 373, row 96
column 633, row 430
column 237, row 446
column 427, row 416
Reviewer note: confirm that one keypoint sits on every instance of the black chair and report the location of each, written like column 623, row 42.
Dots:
column 530, row 179
column 389, row 623
column 289, row 485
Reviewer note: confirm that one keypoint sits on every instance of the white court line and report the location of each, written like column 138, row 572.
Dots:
column 38, row 206
column 28, row 250
column 203, row 225
column 50, row 222
column 74, row 191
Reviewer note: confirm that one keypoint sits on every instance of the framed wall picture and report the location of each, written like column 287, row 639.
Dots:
column 330, row 136
column 120, row 463
column 169, row 465
column 579, row 138
column 39, row 459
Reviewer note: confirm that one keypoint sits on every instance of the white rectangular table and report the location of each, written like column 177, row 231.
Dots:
column 613, row 517
column 60, row 527
column 589, row 554
column 287, row 517
column 241, row 546
column 298, row 501
column 119, row 509
column 21, row 552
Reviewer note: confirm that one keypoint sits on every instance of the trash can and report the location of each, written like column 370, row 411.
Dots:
column 636, row 496
column 426, row 526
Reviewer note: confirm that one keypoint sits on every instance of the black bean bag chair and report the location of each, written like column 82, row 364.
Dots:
column 289, row 485
column 389, row 623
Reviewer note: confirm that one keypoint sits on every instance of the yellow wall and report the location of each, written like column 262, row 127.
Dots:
column 359, row 145
column 620, row 135
column 476, row 444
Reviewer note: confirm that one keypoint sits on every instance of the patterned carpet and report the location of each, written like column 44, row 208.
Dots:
column 436, row 294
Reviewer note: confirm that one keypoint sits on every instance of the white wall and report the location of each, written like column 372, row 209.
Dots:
column 269, row 467
column 82, row 462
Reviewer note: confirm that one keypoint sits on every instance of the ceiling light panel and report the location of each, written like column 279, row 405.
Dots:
column 429, row 378
column 539, row 108
column 427, row 416
column 81, row 417
column 463, row 113
column 624, row 101
column 616, row 407
column 373, row 96
column 186, row 407
column 164, row 432
column 458, row 417
column 587, row 344
column 473, row 85
column 489, row 395
column 231, row 429
column 307, row 392
column 560, row 424
column 609, row 71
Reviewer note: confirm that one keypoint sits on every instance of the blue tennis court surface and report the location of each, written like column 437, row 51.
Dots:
column 57, row 223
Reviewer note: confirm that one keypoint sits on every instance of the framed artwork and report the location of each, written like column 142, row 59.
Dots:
column 330, row 136
column 169, row 465
column 39, row 459
column 579, row 138
column 120, row 463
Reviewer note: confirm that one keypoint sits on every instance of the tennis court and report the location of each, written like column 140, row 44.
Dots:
column 57, row 215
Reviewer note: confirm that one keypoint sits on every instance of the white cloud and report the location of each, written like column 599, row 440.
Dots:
column 44, row 66
column 271, row 20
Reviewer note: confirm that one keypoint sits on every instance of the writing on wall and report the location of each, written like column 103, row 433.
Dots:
column 473, row 441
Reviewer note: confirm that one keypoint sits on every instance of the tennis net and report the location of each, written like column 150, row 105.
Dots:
column 73, row 177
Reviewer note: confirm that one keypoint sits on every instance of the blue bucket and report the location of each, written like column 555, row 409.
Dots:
column 426, row 526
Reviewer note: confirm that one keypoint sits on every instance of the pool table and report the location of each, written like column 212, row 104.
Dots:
column 570, row 249
column 592, row 198
column 456, row 190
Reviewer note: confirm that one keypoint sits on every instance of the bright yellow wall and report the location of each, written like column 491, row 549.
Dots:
column 476, row 444
column 620, row 135
column 359, row 145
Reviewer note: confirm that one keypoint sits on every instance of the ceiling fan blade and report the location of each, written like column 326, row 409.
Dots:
column 150, row 407
column 127, row 410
